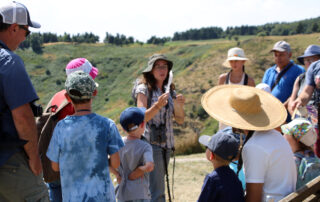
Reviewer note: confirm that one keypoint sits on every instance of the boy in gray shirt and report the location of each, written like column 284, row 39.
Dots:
column 136, row 159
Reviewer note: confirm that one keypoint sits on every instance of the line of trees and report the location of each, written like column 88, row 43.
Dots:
column 118, row 39
column 36, row 40
column 158, row 40
column 199, row 34
column 270, row 29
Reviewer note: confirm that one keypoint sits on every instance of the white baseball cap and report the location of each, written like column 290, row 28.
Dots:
column 15, row 12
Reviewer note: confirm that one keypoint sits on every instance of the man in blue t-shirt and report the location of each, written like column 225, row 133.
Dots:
column 81, row 143
column 20, row 166
column 285, row 69
column 282, row 54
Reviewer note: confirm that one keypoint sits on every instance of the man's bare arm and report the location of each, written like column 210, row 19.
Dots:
column 26, row 126
column 303, row 98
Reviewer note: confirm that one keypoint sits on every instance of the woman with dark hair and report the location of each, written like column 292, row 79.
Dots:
column 157, row 94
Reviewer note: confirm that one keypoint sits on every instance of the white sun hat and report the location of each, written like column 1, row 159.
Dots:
column 234, row 54
column 302, row 130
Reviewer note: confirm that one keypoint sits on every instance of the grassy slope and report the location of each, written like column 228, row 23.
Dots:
column 197, row 65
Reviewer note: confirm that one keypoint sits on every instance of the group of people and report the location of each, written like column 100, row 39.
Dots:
column 84, row 146
column 271, row 130
column 255, row 131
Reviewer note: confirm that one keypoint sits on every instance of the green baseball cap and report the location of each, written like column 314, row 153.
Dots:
column 81, row 82
column 154, row 58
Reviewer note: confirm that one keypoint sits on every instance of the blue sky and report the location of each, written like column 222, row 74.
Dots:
column 145, row 18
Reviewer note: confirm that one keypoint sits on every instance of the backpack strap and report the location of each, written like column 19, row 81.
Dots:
column 245, row 79
column 281, row 74
column 57, row 102
column 301, row 77
column 227, row 78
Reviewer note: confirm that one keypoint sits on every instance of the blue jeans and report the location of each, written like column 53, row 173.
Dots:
column 55, row 193
column 157, row 181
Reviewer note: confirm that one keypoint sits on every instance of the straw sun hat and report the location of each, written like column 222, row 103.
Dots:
column 234, row 54
column 244, row 107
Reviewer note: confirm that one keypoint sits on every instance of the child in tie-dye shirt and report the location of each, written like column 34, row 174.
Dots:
column 81, row 143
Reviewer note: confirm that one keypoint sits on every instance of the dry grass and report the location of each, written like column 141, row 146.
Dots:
column 190, row 172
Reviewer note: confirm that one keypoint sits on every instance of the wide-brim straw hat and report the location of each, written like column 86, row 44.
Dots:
column 244, row 107
column 234, row 54
column 154, row 58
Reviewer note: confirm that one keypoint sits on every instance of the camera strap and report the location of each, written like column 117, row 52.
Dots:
column 164, row 149
column 164, row 154
column 280, row 75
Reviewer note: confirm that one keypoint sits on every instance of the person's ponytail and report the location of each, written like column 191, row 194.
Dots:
column 240, row 161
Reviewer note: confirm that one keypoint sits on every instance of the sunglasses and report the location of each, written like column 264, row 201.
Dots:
column 161, row 67
column 25, row 29
column 309, row 60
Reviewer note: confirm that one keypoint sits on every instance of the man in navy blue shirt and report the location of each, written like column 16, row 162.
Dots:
column 222, row 184
column 20, row 166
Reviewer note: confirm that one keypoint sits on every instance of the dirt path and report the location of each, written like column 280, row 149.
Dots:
column 194, row 159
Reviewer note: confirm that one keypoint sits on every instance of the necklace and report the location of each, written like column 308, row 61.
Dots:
column 84, row 110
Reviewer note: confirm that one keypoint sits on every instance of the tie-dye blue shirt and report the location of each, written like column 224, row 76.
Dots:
column 81, row 145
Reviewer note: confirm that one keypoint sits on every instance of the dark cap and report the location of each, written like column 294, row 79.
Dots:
column 222, row 144
column 132, row 115
column 81, row 82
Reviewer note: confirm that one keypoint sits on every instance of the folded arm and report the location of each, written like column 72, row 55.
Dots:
column 139, row 172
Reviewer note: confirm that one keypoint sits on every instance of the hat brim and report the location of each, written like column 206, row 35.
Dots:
column 226, row 63
column 204, row 140
column 94, row 72
column 34, row 24
column 216, row 103
column 300, row 58
column 310, row 138
column 150, row 67
column 278, row 49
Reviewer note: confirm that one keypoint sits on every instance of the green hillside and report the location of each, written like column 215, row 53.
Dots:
column 197, row 65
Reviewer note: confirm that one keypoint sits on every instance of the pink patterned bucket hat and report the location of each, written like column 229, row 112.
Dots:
column 81, row 64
